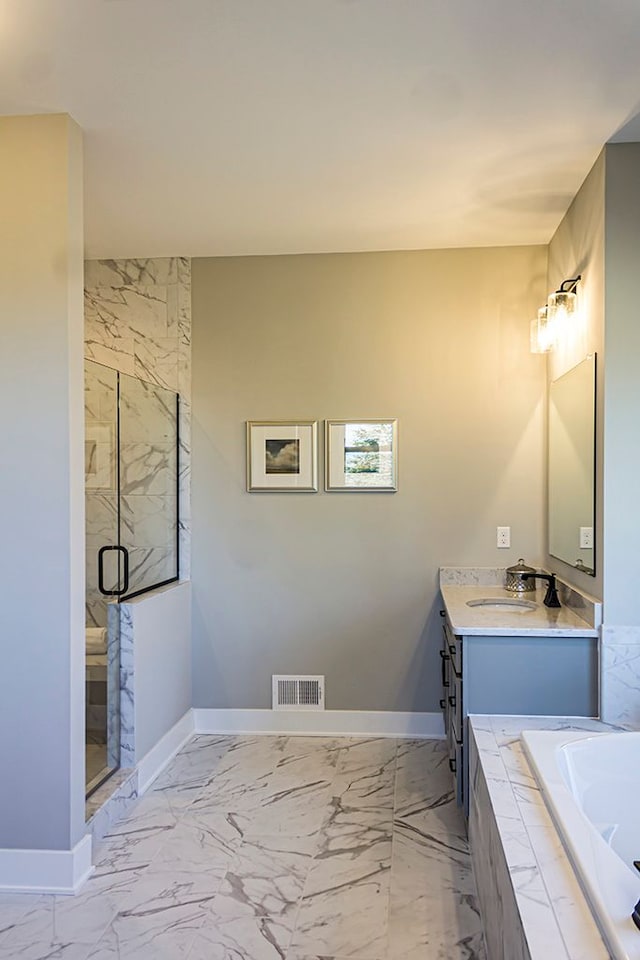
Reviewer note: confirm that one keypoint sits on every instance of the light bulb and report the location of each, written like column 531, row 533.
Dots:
column 542, row 332
column 562, row 306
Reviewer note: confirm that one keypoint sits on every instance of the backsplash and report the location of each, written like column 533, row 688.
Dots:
column 472, row 576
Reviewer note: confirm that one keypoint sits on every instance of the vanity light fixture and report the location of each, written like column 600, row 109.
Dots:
column 547, row 328
column 562, row 305
column 542, row 338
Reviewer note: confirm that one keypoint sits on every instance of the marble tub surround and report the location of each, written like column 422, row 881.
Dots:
column 620, row 676
column 543, row 621
column 532, row 904
column 273, row 848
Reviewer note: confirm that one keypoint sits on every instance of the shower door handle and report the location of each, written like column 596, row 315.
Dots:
column 125, row 571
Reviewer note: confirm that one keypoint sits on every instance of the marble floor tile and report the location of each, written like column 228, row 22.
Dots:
column 291, row 807
column 344, row 910
column 265, row 879
column 25, row 919
column 164, row 912
column 231, row 794
column 365, row 775
column 350, row 832
column 241, row 939
column 273, row 848
column 433, row 907
column 251, row 758
column 45, row 950
column 425, row 798
column 135, row 840
column 309, row 757
column 207, row 843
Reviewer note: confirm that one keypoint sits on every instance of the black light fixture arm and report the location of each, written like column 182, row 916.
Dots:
column 569, row 286
column 551, row 596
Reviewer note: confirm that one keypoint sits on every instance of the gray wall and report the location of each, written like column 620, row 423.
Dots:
column 346, row 584
column 599, row 238
column 621, row 384
column 577, row 247
column 41, row 485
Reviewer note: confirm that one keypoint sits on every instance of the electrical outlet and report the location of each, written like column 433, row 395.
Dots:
column 586, row 538
column 503, row 538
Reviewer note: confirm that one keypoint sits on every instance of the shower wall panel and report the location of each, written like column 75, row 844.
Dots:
column 138, row 321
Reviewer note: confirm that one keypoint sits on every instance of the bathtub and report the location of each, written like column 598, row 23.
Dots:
column 591, row 784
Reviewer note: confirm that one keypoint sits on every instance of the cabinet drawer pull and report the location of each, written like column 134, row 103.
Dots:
column 452, row 649
column 443, row 703
column 452, row 764
column 452, row 701
column 445, row 655
column 443, row 613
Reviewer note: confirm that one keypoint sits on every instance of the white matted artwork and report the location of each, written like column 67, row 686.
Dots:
column 361, row 455
column 282, row 456
column 99, row 456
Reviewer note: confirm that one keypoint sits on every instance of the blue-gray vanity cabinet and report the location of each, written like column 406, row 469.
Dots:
column 515, row 675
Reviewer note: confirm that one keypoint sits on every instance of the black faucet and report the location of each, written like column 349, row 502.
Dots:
column 551, row 596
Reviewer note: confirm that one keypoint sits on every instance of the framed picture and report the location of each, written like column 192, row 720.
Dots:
column 282, row 455
column 361, row 455
column 99, row 456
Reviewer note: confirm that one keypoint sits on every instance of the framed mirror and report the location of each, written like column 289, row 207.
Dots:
column 571, row 478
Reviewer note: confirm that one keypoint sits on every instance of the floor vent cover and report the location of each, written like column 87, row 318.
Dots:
column 297, row 693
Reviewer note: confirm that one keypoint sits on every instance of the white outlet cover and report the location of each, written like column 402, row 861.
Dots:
column 586, row 538
column 503, row 538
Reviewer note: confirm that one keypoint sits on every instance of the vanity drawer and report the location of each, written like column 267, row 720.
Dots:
column 453, row 646
column 454, row 702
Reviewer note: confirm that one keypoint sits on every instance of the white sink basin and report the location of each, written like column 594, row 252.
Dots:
column 508, row 604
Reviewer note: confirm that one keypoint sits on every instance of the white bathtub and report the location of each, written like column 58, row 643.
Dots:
column 591, row 784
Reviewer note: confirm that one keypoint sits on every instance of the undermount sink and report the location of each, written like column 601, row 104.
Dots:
column 507, row 604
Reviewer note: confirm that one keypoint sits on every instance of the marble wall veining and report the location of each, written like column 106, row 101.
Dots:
column 138, row 321
column 620, row 675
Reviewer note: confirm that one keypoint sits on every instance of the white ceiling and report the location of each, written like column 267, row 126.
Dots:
column 220, row 127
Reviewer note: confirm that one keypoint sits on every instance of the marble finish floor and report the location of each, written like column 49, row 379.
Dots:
column 273, row 848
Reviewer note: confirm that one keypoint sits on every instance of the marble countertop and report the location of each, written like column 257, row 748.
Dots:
column 481, row 621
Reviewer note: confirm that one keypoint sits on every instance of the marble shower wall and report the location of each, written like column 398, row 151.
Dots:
column 138, row 321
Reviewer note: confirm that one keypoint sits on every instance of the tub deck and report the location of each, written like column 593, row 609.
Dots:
column 532, row 904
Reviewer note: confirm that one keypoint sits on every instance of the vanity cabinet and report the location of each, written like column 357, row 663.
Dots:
column 513, row 675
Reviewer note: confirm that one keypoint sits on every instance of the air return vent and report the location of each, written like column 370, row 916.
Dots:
column 297, row 693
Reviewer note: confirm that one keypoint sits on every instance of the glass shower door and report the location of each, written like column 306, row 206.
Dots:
column 131, row 500
column 103, row 573
column 148, row 483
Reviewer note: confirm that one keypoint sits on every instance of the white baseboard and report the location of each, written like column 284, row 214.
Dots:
column 154, row 762
column 320, row 723
column 45, row 871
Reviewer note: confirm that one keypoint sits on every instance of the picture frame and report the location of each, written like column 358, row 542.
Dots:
column 361, row 456
column 99, row 456
column 282, row 456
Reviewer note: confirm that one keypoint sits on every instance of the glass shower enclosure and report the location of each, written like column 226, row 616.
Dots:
column 132, row 523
